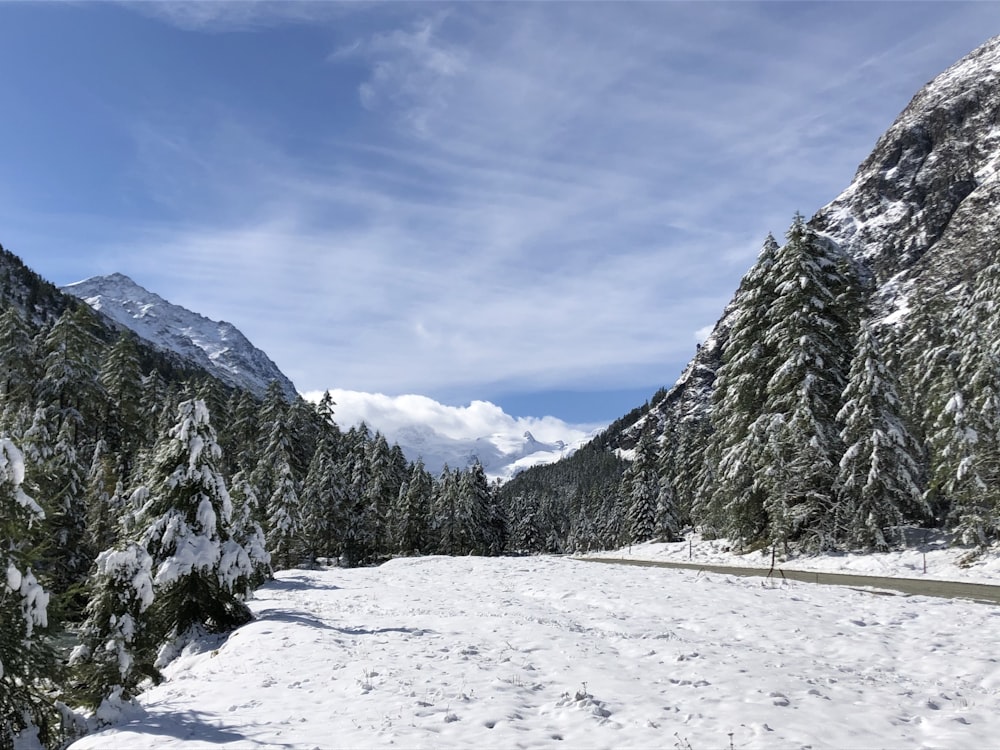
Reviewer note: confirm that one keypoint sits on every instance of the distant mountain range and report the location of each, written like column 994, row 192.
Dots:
column 502, row 454
column 457, row 436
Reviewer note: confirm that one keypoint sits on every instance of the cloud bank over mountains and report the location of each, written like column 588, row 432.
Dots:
column 456, row 435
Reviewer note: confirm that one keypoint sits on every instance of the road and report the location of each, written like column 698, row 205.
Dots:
column 980, row 592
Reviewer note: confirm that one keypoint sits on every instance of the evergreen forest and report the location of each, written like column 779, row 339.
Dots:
column 142, row 500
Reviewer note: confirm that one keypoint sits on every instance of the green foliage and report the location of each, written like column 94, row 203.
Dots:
column 201, row 573
column 879, row 479
column 118, row 642
column 27, row 663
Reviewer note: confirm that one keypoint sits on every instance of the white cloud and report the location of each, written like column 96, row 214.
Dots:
column 455, row 436
column 703, row 333
column 391, row 414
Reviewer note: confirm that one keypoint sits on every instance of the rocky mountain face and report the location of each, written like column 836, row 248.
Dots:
column 896, row 350
column 923, row 210
column 924, row 203
column 217, row 347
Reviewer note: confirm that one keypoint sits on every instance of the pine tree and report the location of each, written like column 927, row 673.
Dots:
column 474, row 519
column 117, row 643
column 26, row 657
column 410, row 515
column 683, row 467
column 71, row 352
column 121, row 379
column 322, row 503
column 242, row 431
column 730, row 497
column 930, row 378
column 324, row 409
column 358, row 533
column 62, row 479
column 668, row 513
column 283, row 512
column 380, row 490
column 525, row 535
column 975, row 484
column 608, row 521
column 103, row 499
column 284, row 519
column 17, row 359
column 807, row 335
column 879, row 474
column 247, row 531
column 965, row 450
column 640, row 490
column 153, row 396
column 200, row 572
column 498, row 522
column 444, row 513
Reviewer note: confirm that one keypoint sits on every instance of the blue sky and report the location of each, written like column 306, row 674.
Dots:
column 538, row 204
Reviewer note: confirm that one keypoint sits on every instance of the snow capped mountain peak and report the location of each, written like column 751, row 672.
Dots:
column 457, row 436
column 931, row 180
column 502, row 454
column 216, row 346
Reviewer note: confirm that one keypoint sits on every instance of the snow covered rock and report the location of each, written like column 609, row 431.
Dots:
column 218, row 347
column 923, row 210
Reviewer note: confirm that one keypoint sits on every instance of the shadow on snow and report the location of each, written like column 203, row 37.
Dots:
column 297, row 583
column 193, row 726
column 297, row 618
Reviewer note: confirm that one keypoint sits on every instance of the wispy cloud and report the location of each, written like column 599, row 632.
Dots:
column 217, row 16
column 535, row 195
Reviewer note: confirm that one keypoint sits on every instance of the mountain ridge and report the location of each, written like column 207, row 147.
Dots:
column 216, row 346
column 907, row 271
column 905, row 199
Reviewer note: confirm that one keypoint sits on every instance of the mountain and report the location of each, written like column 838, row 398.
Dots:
column 502, row 455
column 921, row 213
column 885, row 301
column 458, row 436
column 218, row 347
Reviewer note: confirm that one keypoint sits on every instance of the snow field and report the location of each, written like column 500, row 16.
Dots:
column 552, row 652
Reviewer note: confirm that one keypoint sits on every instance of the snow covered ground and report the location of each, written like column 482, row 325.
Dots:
column 547, row 652
column 933, row 558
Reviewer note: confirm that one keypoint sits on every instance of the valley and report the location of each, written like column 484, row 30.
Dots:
column 554, row 652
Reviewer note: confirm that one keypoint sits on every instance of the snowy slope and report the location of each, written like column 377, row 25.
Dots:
column 922, row 211
column 545, row 652
column 218, row 347
column 925, row 204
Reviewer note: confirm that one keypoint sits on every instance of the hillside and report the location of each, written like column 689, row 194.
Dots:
column 144, row 498
column 848, row 387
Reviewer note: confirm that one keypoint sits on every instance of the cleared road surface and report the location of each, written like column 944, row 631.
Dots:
column 980, row 592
